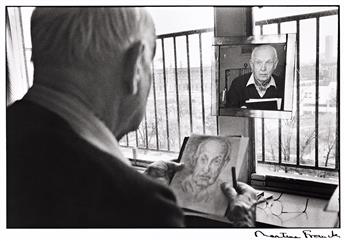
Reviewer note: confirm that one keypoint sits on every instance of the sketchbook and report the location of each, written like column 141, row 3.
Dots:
column 208, row 161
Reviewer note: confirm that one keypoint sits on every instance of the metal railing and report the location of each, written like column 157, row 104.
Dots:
column 312, row 140
column 159, row 131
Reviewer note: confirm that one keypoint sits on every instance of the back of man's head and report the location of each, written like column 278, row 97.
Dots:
column 85, row 37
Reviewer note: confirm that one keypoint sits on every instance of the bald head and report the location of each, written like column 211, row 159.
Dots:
column 264, row 50
column 65, row 36
column 101, row 56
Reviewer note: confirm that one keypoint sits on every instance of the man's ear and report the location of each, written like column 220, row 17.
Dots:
column 251, row 64
column 276, row 63
column 132, row 67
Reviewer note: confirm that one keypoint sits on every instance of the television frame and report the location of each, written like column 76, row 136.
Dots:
column 290, row 74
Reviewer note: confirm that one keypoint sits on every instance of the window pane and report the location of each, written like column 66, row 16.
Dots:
column 151, row 117
column 194, row 54
column 307, row 91
column 207, row 56
column 160, row 97
column 328, row 88
column 271, row 140
column 258, row 140
column 171, row 95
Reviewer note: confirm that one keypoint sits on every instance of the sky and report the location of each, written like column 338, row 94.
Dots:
column 177, row 19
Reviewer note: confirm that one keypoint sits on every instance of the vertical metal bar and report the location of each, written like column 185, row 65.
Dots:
column 280, row 141
column 252, row 151
column 217, row 85
column 146, row 134
column 155, row 103
column 136, row 138
column 279, row 28
column 127, row 140
column 202, row 86
column 261, row 30
column 165, row 95
column 298, row 93
column 177, row 95
column 317, row 94
column 337, row 143
column 279, row 124
column 217, row 123
column 263, row 138
column 218, row 98
column 189, row 87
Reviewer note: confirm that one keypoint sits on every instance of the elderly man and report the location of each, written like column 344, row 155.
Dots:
column 261, row 83
column 91, row 82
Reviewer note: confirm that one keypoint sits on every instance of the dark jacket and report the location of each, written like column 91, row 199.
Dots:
column 239, row 92
column 57, row 179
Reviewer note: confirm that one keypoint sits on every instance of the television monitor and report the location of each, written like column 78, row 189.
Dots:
column 255, row 76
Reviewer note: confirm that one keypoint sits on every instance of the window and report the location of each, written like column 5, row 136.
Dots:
column 307, row 144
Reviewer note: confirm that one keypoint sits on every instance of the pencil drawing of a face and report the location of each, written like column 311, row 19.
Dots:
column 210, row 158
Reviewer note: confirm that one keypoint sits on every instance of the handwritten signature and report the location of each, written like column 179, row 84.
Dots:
column 304, row 234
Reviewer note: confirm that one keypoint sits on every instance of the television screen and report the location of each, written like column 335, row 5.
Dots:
column 255, row 75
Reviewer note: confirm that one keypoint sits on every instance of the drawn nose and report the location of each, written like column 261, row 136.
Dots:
column 263, row 67
column 205, row 169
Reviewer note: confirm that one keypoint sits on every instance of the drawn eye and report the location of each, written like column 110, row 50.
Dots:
column 203, row 160
column 217, row 161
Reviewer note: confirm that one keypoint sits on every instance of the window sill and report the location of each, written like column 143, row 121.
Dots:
column 282, row 182
column 141, row 158
column 292, row 184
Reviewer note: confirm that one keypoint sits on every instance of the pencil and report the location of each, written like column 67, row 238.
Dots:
column 263, row 200
column 234, row 180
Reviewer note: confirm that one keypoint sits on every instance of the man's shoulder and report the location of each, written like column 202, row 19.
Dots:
column 103, row 182
column 279, row 80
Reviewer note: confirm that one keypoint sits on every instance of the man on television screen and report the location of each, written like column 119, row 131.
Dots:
column 260, row 89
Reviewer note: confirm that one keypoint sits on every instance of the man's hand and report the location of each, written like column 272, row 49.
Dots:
column 242, row 202
column 163, row 171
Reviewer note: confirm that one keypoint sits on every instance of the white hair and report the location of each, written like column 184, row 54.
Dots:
column 275, row 55
column 84, row 36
